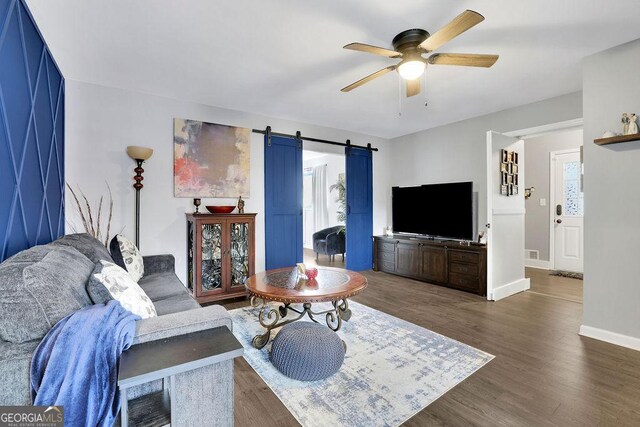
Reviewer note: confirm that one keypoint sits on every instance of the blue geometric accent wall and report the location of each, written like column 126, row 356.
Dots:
column 31, row 135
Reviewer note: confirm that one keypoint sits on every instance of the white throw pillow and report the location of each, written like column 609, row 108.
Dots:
column 123, row 288
column 126, row 254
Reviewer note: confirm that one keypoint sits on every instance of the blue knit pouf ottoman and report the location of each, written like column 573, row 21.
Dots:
column 307, row 351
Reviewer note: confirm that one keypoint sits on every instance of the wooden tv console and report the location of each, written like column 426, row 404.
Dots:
column 449, row 263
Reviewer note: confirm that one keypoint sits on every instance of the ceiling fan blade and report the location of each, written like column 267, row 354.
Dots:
column 459, row 25
column 464, row 59
column 361, row 47
column 369, row 78
column 413, row 87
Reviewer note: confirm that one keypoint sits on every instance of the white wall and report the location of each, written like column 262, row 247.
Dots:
column 612, row 206
column 457, row 152
column 101, row 122
column 536, row 158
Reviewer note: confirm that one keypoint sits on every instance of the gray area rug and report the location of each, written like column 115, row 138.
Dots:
column 570, row 274
column 392, row 370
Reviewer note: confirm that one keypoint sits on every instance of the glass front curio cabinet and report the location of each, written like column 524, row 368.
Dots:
column 220, row 255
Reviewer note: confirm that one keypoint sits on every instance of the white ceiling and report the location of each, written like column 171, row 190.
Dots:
column 285, row 59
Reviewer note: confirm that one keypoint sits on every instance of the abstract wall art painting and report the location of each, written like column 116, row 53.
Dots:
column 210, row 160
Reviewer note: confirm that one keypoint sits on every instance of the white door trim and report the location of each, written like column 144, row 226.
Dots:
column 489, row 171
column 552, row 202
column 545, row 129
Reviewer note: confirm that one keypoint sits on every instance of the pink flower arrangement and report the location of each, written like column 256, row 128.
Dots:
column 312, row 273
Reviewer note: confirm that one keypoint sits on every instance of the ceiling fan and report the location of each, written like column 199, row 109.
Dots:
column 410, row 45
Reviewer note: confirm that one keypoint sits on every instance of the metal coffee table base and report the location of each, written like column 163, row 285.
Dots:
column 272, row 318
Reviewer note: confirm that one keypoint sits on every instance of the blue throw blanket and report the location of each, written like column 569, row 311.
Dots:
column 76, row 364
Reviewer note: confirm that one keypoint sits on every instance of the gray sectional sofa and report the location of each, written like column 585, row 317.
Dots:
column 43, row 284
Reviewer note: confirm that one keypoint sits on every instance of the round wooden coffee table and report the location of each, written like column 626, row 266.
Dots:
column 283, row 286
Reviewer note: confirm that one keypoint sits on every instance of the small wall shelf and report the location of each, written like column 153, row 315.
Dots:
column 617, row 139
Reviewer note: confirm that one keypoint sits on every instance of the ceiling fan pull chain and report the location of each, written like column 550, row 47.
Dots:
column 424, row 85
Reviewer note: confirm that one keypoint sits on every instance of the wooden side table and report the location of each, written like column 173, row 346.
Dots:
column 165, row 359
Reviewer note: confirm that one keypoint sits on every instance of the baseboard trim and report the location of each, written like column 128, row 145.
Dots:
column 537, row 263
column 510, row 289
column 610, row 337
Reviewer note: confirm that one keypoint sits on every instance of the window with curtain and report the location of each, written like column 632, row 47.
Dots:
column 319, row 194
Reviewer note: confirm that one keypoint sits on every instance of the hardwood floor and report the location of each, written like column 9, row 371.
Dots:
column 554, row 286
column 323, row 260
column 544, row 373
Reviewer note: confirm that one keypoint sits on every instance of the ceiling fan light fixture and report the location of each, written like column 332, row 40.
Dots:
column 411, row 70
column 410, row 45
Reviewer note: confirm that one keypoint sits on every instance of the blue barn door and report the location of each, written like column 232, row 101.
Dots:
column 283, row 201
column 359, row 209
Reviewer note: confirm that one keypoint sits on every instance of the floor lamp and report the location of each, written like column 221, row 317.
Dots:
column 139, row 154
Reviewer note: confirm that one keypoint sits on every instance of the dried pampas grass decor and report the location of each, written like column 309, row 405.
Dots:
column 84, row 211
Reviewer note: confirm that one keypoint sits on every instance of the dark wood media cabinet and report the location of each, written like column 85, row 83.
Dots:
column 448, row 263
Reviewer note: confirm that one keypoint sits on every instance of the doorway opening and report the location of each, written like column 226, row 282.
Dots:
column 283, row 183
column 554, row 220
column 324, row 208
column 515, row 262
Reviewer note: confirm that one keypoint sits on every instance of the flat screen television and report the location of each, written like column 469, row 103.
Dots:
column 435, row 210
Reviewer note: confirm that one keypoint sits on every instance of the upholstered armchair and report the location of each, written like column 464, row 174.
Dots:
column 330, row 241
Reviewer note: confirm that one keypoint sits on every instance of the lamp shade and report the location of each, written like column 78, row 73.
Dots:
column 411, row 70
column 139, row 153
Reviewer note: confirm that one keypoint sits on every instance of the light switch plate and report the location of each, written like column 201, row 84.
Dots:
column 543, row 202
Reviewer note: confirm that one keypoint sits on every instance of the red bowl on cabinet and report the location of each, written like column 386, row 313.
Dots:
column 220, row 209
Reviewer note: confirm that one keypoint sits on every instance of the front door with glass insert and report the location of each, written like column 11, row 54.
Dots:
column 568, row 212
